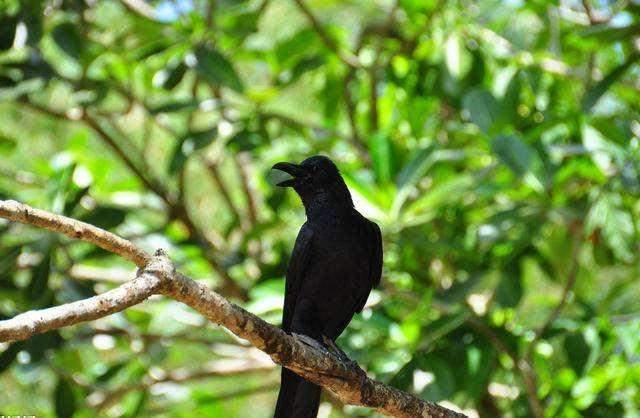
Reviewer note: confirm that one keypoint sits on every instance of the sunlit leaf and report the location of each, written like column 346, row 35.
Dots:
column 457, row 59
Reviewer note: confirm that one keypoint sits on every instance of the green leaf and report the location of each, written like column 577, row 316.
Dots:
column 582, row 349
column 64, row 399
column 149, row 49
column 174, row 106
column 382, row 157
column 216, row 69
column 577, row 351
column 514, row 153
column 416, row 168
column 595, row 93
column 8, row 259
column 105, row 217
column 39, row 277
column 72, row 198
column 201, row 139
column 369, row 192
column 616, row 224
column 482, row 107
column 177, row 160
column 111, row 371
column 9, row 354
column 21, row 89
column 426, row 207
column 604, row 32
column 605, row 153
column 306, row 65
column 418, row 111
column 245, row 140
column 191, row 142
column 137, row 406
column 7, row 30
column 291, row 49
column 67, row 37
column 509, row 291
column 7, row 144
column 174, row 75
column 520, row 158
column 331, row 95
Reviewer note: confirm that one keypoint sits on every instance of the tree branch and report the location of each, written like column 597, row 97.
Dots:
column 19, row 212
column 141, row 8
column 215, row 368
column 23, row 326
column 243, row 162
column 346, row 58
column 345, row 379
column 177, row 209
column 522, row 365
column 212, row 168
column 566, row 292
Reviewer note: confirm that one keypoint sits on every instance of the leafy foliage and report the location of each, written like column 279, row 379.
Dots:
column 496, row 143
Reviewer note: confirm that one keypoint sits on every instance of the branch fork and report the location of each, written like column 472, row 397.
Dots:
column 329, row 368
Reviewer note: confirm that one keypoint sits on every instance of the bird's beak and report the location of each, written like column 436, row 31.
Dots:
column 293, row 170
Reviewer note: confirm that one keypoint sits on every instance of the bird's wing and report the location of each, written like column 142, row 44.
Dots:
column 295, row 272
column 375, row 260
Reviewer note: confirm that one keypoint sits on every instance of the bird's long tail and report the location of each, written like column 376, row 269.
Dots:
column 297, row 398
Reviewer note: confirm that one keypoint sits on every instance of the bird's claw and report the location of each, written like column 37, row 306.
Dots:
column 311, row 342
column 337, row 352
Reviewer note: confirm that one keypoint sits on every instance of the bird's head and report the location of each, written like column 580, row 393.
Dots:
column 316, row 179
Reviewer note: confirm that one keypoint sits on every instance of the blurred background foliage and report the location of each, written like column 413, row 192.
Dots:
column 496, row 143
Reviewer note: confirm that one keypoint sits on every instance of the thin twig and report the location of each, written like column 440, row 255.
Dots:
column 141, row 8
column 345, row 57
column 216, row 368
column 523, row 367
column 177, row 209
column 151, row 184
column 243, row 162
column 212, row 168
column 574, row 268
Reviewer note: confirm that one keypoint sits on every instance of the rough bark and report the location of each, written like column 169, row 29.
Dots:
column 157, row 275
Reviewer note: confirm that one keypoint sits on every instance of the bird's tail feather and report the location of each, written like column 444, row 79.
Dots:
column 297, row 398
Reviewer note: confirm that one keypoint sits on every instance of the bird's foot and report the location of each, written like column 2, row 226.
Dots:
column 311, row 342
column 337, row 352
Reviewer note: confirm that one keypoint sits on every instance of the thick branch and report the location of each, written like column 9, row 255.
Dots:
column 347, row 381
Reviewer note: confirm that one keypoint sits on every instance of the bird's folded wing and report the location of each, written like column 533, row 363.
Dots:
column 295, row 273
column 375, row 261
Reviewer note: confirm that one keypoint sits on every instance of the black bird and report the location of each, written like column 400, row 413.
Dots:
column 336, row 261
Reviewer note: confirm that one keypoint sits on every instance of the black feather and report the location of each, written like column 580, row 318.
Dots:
column 336, row 261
